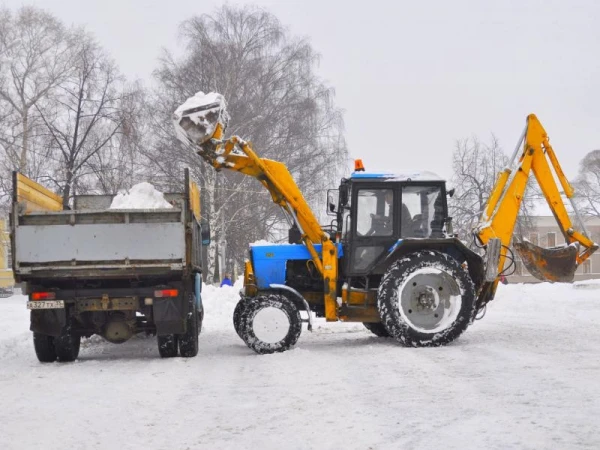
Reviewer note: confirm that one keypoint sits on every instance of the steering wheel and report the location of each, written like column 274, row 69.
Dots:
column 379, row 224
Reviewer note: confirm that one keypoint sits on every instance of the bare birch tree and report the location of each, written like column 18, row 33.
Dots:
column 587, row 184
column 275, row 99
column 476, row 166
column 35, row 58
column 87, row 119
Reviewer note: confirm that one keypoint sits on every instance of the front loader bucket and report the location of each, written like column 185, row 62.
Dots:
column 197, row 119
column 549, row 264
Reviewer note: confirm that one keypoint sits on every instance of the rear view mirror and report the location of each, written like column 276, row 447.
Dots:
column 331, row 202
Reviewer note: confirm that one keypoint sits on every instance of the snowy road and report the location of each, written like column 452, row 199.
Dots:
column 525, row 377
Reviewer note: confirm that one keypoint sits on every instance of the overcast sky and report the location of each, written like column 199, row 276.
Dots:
column 412, row 77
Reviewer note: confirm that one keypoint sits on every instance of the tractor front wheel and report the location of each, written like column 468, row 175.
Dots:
column 238, row 313
column 270, row 324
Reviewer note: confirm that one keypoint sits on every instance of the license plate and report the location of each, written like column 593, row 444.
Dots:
column 46, row 304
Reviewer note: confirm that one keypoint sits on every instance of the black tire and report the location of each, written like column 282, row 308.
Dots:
column 237, row 314
column 44, row 347
column 188, row 342
column 67, row 346
column 167, row 345
column 256, row 305
column 418, row 299
column 377, row 329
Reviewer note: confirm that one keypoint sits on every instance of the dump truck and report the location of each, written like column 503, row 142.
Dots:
column 389, row 259
column 112, row 272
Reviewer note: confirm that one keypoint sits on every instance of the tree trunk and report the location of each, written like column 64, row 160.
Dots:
column 23, row 159
column 209, row 185
column 67, row 188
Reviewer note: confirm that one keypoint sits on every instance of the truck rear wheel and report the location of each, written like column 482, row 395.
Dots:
column 426, row 299
column 188, row 342
column 44, row 347
column 270, row 324
column 167, row 345
column 67, row 346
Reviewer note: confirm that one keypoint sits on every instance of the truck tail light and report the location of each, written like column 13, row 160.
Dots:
column 43, row 296
column 166, row 293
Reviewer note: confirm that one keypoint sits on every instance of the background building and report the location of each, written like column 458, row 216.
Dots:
column 6, row 276
column 546, row 233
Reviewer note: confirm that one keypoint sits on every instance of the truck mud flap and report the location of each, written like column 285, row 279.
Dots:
column 169, row 316
column 49, row 322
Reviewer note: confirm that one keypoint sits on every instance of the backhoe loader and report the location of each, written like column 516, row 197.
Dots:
column 389, row 259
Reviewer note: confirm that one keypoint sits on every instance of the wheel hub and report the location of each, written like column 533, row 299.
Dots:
column 425, row 299
column 271, row 325
column 429, row 300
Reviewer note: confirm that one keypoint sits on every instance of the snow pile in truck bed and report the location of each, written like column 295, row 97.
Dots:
column 141, row 196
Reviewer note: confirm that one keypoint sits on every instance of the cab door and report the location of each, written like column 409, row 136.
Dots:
column 374, row 225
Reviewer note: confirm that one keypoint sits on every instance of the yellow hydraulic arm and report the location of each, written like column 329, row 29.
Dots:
column 206, row 136
column 500, row 215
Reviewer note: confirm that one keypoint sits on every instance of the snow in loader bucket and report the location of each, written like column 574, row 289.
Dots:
column 196, row 120
column 549, row 264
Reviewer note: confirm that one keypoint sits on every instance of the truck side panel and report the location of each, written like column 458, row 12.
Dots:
column 101, row 242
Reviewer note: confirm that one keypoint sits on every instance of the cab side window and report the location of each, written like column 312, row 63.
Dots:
column 375, row 212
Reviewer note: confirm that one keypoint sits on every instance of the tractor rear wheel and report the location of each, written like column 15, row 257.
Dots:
column 377, row 329
column 270, row 324
column 426, row 299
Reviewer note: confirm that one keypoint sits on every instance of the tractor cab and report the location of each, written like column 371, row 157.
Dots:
column 377, row 211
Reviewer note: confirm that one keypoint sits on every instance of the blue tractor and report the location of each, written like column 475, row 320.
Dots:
column 388, row 260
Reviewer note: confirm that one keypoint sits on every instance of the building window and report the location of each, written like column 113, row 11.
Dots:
column 534, row 238
column 551, row 240
column 587, row 266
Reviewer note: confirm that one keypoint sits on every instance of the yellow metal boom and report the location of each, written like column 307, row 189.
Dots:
column 501, row 212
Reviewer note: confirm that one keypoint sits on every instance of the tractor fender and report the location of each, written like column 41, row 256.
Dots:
column 451, row 246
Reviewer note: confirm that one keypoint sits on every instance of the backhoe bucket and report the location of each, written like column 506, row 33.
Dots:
column 549, row 264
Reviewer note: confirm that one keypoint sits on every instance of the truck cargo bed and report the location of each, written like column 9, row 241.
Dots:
column 93, row 241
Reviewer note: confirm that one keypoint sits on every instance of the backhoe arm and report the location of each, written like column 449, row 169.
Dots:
column 500, row 215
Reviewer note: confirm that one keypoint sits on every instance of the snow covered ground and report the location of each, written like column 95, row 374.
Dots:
column 525, row 377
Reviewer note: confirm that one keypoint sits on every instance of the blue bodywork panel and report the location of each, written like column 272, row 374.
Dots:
column 269, row 261
column 371, row 175
column 384, row 176
column 395, row 246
